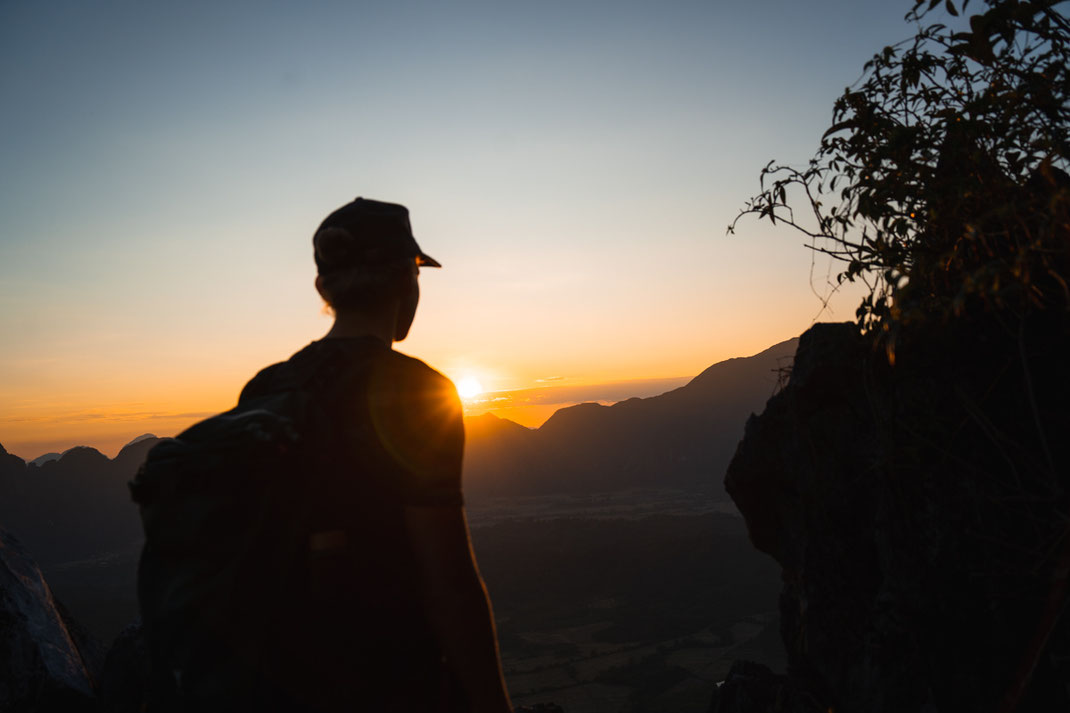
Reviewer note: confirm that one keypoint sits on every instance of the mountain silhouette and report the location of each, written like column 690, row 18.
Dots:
column 74, row 506
column 681, row 439
column 133, row 453
column 41, row 460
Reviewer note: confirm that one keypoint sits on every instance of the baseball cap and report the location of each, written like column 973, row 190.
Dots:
column 372, row 232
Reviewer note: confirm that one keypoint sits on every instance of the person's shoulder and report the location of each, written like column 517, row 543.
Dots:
column 417, row 372
column 267, row 378
column 419, row 417
column 261, row 383
column 410, row 385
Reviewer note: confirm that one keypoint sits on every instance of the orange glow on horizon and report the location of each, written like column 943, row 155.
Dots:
column 115, row 402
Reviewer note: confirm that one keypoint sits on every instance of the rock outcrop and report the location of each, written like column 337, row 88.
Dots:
column 753, row 688
column 10, row 465
column 46, row 664
column 122, row 686
column 920, row 515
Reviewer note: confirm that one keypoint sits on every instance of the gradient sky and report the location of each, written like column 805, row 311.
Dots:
column 573, row 165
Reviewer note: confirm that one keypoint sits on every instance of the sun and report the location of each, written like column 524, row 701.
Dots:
column 469, row 387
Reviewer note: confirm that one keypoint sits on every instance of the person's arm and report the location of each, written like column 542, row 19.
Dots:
column 457, row 603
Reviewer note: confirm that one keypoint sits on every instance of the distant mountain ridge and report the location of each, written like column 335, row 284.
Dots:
column 41, row 460
column 73, row 506
column 681, row 439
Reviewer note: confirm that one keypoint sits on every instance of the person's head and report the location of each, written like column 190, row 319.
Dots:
column 368, row 262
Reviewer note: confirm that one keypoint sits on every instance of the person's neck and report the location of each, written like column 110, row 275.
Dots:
column 355, row 324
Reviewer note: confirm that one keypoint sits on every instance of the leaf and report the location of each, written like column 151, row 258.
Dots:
column 950, row 6
column 838, row 127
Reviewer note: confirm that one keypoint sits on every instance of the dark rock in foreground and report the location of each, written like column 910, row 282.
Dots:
column 919, row 513
column 41, row 666
column 753, row 688
column 123, row 683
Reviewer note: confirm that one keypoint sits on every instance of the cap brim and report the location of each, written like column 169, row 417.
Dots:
column 427, row 261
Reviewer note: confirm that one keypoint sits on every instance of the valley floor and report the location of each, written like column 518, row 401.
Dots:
column 635, row 601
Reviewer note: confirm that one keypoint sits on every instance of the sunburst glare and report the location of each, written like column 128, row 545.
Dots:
column 469, row 387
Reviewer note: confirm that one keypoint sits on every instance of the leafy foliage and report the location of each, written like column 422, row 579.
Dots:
column 942, row 181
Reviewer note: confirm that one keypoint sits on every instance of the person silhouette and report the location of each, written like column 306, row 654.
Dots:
column 398, row 617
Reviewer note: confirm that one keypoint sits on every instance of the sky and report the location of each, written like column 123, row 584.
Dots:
column 573, row 165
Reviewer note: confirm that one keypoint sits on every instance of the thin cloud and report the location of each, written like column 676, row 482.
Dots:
column 108, row 416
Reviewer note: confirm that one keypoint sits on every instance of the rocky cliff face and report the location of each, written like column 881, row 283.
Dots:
column 920, row 515
column 48, row 662
column 42, row 665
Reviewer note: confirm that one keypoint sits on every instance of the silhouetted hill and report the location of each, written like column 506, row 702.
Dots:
column 74, row 506
column 676, row 440
column 41, row 460
column 10, row 463
column 494, row 445
column 133, row 453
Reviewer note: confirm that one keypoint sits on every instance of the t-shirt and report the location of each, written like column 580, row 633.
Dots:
column 402, row 420
column 393, row 437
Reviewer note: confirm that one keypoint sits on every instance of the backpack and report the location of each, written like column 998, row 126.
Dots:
column 227, row 526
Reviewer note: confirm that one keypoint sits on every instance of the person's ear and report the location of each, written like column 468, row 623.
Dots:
column 406, row 282
column 327, row 310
